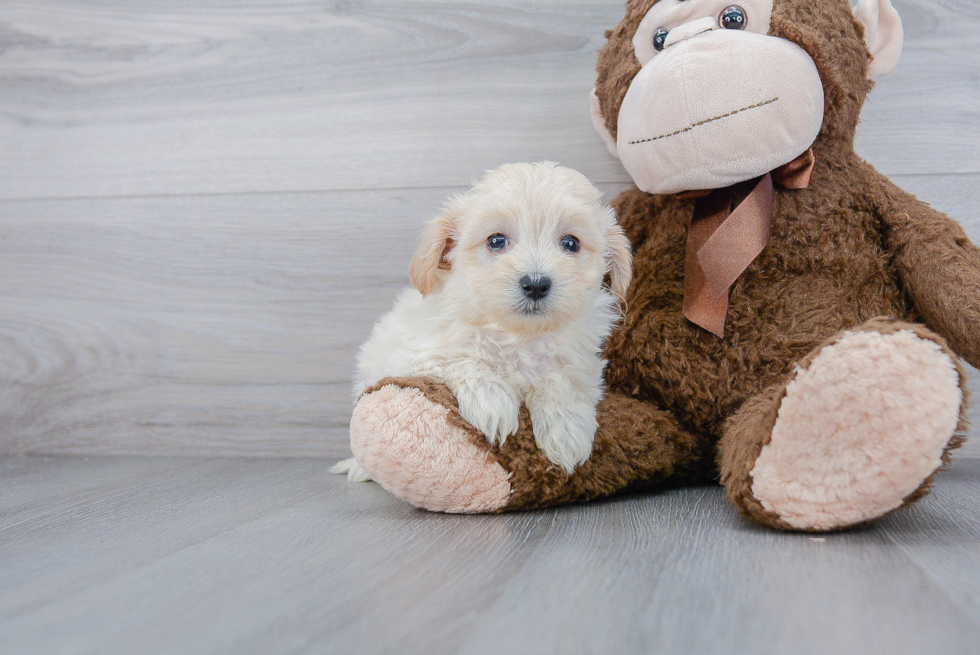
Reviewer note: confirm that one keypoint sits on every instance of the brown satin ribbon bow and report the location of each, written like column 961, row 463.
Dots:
column 722, row 242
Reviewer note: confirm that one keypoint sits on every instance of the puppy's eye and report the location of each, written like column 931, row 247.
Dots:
column 496, row 242
column 570, row 243
column 659, row 38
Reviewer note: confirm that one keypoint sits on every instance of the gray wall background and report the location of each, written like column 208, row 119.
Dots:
column 204, row 205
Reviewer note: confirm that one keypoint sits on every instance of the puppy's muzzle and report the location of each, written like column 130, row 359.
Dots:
column 535, row 287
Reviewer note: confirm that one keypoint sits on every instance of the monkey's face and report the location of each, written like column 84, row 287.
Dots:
column 709, row 94
column 717, row 101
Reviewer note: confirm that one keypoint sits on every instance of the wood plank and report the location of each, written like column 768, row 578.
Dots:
column 215, row 556
column 105, row 99
column 119, row 523
column 207, row 324
column 299, row 95
column 925, row 116
column 926, row 534
column 34, row 483
column 693, row 577
column 217, row 324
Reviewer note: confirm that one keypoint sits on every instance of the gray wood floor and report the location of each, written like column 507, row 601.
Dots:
column 195, row 555
column 205, row 204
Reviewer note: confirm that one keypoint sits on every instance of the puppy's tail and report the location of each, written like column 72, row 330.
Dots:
column 354, row 471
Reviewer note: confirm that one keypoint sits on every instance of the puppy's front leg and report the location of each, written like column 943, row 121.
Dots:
column 486, row 401
column 564, row 421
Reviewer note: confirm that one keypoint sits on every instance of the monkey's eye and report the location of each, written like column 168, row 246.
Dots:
column 496, row 242
column 659, row 38
column 570, row 243
column 733, row 18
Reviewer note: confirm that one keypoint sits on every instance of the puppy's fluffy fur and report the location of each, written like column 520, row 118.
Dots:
column 469, row 322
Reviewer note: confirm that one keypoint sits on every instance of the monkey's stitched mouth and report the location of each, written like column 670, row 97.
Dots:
column 706, row 121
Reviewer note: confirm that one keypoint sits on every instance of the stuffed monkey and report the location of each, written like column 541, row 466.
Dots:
column 795, row 322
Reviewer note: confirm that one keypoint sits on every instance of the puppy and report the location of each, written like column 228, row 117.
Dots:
column 509, row 307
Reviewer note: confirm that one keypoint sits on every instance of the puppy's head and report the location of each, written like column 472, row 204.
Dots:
column 527, row 248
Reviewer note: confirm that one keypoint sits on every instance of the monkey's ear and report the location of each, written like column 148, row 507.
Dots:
column 883, row 34
column 430, row 258
column 599, row 123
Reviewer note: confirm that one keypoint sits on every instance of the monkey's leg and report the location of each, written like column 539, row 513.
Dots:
column 859, row 430
column 408, row 435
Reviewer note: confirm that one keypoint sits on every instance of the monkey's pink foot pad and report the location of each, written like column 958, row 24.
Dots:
column 861, row 428
column 421, row 452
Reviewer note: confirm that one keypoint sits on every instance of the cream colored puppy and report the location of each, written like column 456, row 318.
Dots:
column 509, row 307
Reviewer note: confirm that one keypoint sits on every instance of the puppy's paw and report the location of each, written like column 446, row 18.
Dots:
column 564, row 433
column 490, row 407
column 354, row 471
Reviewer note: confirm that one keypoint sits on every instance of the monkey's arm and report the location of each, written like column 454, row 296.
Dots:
column 939, row 267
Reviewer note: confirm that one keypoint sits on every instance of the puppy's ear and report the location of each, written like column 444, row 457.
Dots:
column 430, row 258
column 619, row 261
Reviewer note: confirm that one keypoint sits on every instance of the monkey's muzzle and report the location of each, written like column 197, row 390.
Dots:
column 716, row 109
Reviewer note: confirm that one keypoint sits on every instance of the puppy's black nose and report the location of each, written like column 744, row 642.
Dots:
column 535, row 286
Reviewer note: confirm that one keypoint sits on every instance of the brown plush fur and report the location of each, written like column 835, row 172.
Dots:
column 851, row 250
column 825, row 270
column 624, row 457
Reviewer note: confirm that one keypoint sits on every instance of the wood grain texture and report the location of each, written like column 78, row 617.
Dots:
column 218, row 324
column 217, row 199
column 111, row 98
column 188, row 97
column 924, row 118
column 155, row 555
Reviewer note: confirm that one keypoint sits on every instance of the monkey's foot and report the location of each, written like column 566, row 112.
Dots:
column 422, row 452
column 858, row 432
